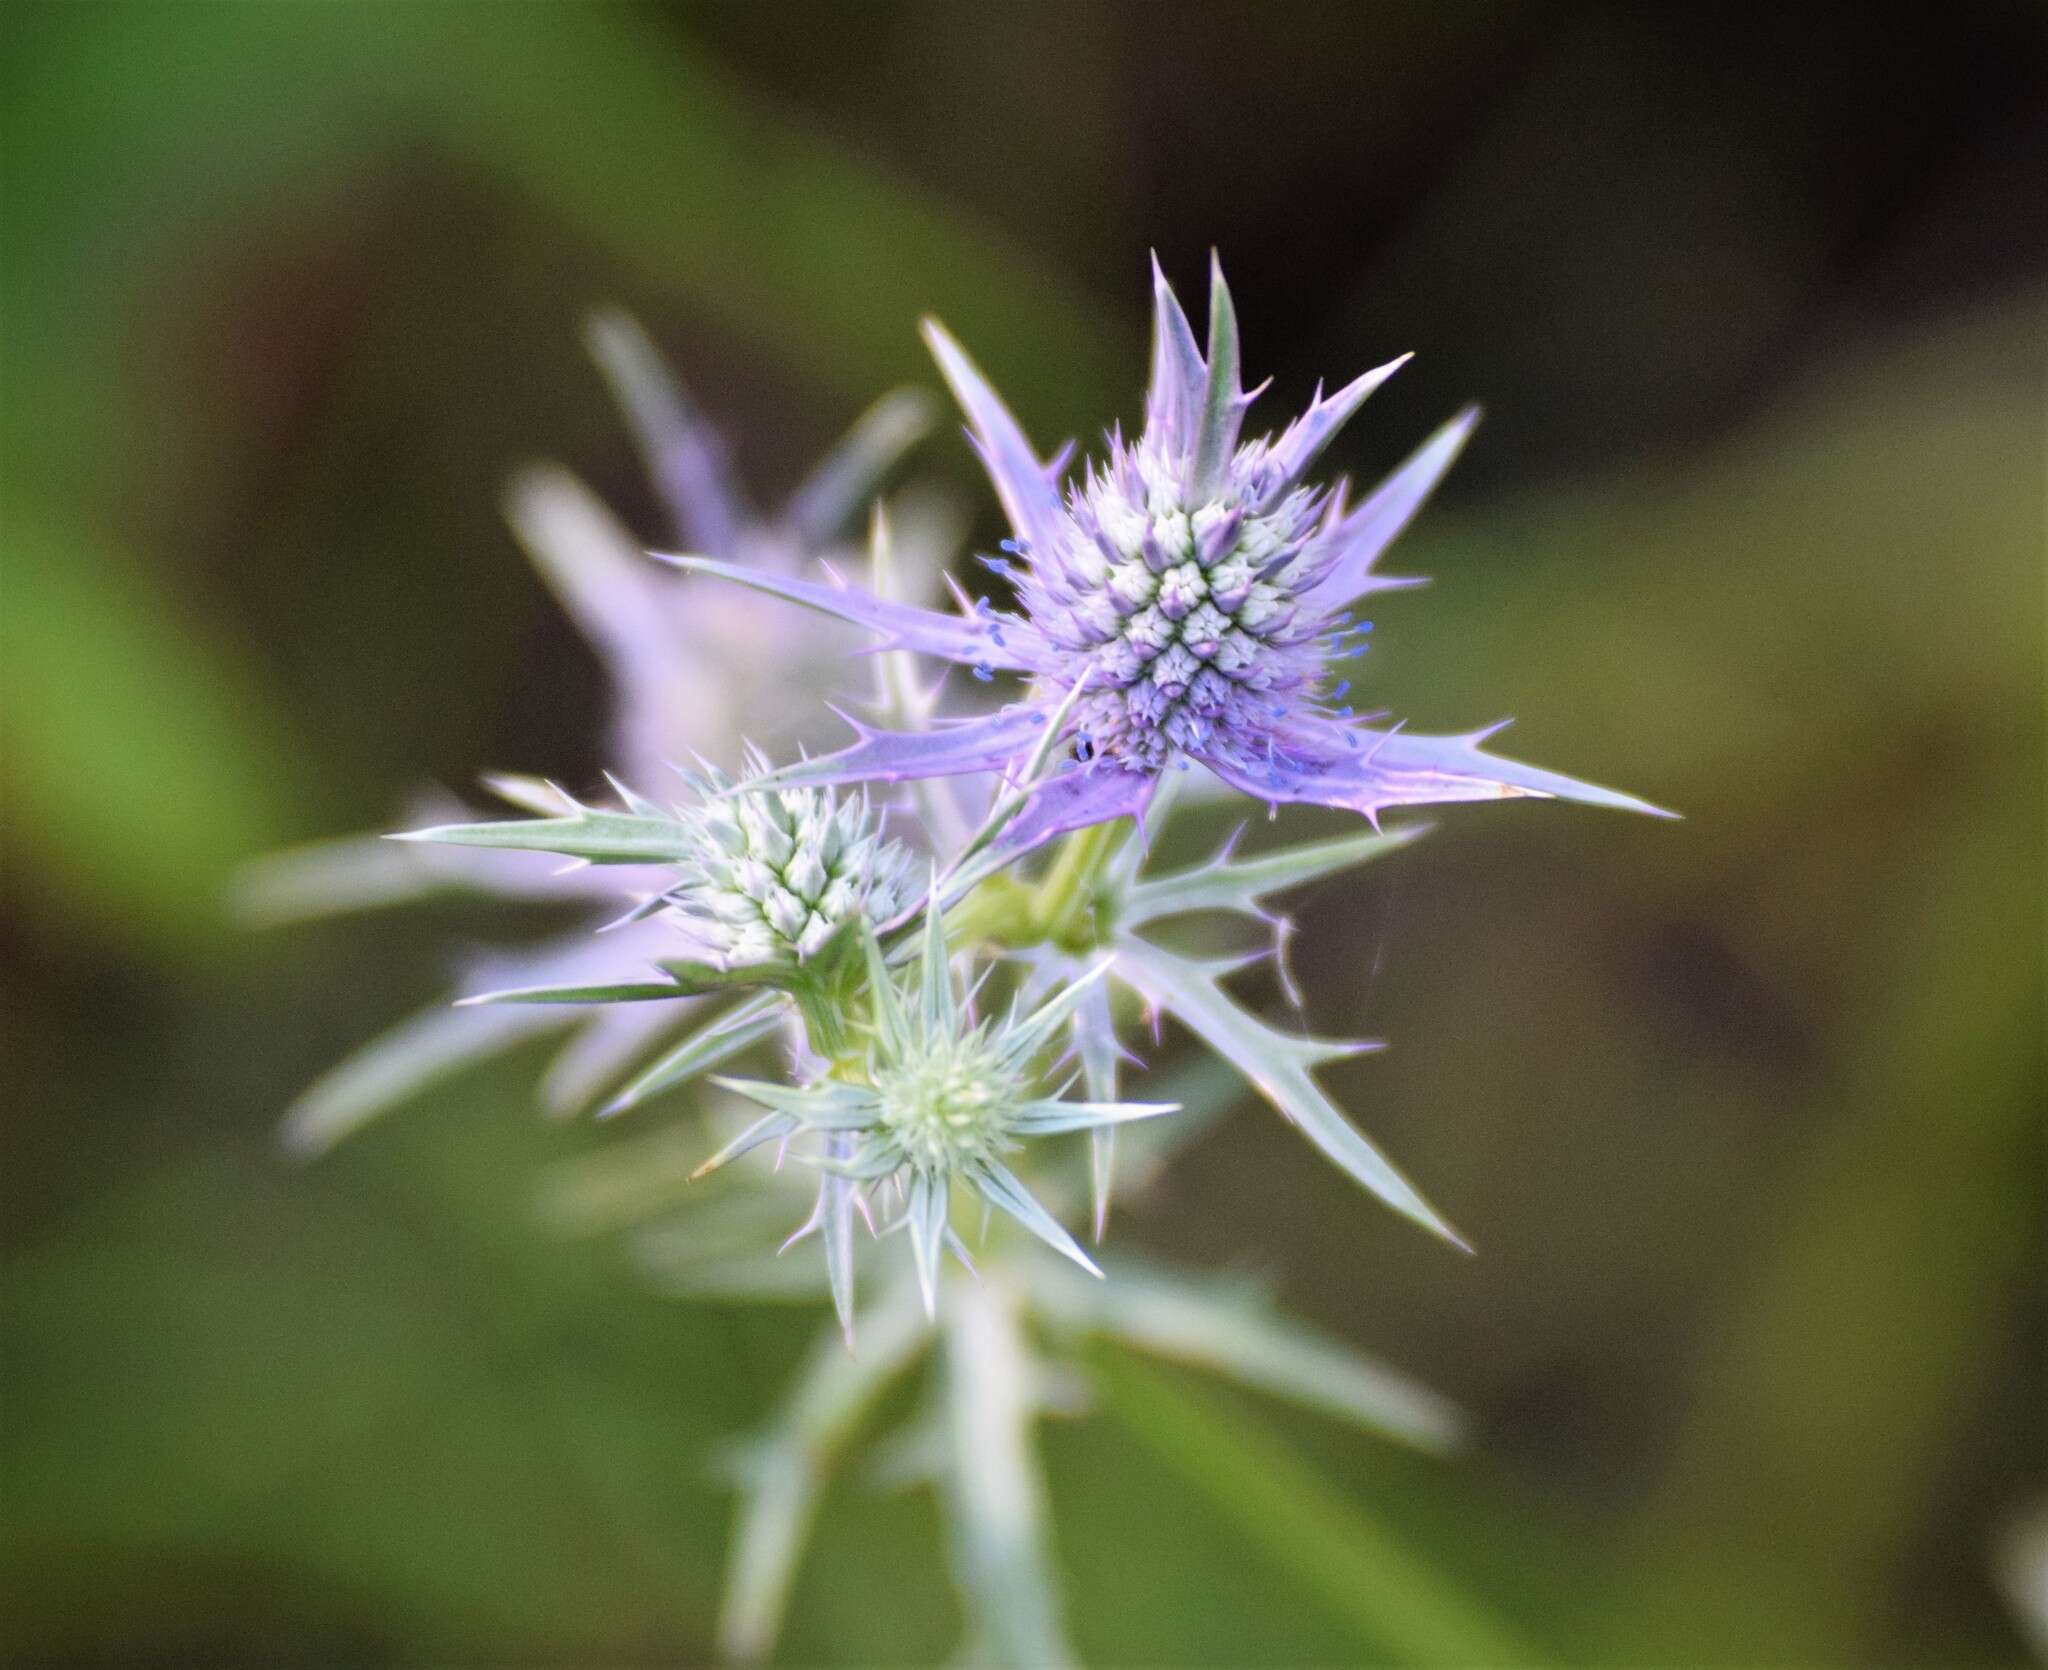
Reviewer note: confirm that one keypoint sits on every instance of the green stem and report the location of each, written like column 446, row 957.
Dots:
column 997, row 1513
column 999, row 911
column 1066, row 897
column 824, row 1020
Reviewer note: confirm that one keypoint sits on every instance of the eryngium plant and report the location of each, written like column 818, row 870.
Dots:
column 1189, row 601
column 686, row 677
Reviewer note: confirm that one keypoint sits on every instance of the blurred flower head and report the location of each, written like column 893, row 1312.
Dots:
column 687, row 677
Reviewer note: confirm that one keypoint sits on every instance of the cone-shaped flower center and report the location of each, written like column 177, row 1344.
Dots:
column 950, row 1105
column 1180, row 614
column 780, row 871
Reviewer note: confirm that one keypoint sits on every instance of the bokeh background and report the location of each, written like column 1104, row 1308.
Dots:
column 1745, row 1113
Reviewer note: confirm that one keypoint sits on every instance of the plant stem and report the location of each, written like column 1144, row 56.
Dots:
column 1066, row 897
column 995, row 1492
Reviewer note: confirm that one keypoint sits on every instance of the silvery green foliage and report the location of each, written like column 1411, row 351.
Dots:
column 1183, row 602
column 1012, row 1351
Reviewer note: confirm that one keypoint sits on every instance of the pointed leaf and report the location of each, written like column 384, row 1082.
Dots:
column 1027, row 488
column 891, row 1024
column 937, row 1008
column 840, row 484
column 1024, row 1039
column 1227, row 882
column 990, row 743
column 1355, row 544
column 645, row 992
column 830, row 1104
column 718, row 1040
column 1074, row 799
column 967, row 639
column 684, row 453
column 924, row 1220
column 999, row 1186
column 1223, row 397
column 771, row 1128
column 1236, row 1333
column 1276, row 1065
column 1403, row 768
column 835, row 1211
column 1303, row 440
column 1173, row 401
column 1049, row 1118
column 595, row 836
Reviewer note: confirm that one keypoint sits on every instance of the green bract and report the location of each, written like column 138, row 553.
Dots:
column 937, row 1098
column 757, row 884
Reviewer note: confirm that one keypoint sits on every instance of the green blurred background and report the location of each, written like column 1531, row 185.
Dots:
column 1745, row 1113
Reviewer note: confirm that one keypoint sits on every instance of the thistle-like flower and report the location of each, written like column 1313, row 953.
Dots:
column 775, row 875
column 756, row 883
column 939, row 1099
column 1196, row 590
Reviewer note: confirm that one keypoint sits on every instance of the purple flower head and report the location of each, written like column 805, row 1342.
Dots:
column 1197, row 589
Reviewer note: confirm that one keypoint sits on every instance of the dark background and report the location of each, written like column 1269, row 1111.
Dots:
column 1744, row 1112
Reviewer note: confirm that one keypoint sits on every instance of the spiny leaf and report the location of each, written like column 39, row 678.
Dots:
column 595, row 836
column 655, row 992
column 1227, row 882
column 717, row 1040
column 1278, row 1065
column 1048, row 1118
column 1223, row 400
column 1024, row 1040
column 924, row 1219
column 999, row 1186
column 771, row 1128
column 830, row 1105
column 1236, row 1333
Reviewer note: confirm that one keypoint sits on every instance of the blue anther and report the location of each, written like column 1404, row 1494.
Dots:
column 984, row 671
column 1343, row 689
column 995, row 565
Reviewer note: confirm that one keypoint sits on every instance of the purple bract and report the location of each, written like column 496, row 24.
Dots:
column 1199, row 591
